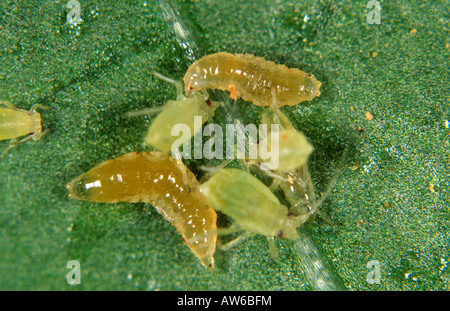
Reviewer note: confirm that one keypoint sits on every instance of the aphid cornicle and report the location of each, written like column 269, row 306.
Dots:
column 155, row 178
column 255, row 210
column 15, row 123
column 251, row 78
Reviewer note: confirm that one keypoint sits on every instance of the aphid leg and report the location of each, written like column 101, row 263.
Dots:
column 331, row 184
column 178, row 84
column 39, row 106
column 275, row 106
column 275, row 184
column 234, row 111
column 6, row 103
column 13, row 143
column 212, row 170
column 276, row 176
column 36, row 136
column 234, row 242
column 142, row 112
column 272, row 248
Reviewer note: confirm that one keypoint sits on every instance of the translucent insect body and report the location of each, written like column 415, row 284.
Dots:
column 155, row 178
column 252, row 79
column 174, row 112
column 252, row 205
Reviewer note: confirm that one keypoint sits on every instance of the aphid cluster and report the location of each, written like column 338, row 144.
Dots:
column 166, row 183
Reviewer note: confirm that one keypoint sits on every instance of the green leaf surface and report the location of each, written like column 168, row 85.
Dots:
column 391, row 199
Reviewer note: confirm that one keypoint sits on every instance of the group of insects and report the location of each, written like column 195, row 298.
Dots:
column 163, row 180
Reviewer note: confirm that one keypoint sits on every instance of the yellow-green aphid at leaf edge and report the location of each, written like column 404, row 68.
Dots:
column 251, row 204
column 15, row 123
column 155, row 178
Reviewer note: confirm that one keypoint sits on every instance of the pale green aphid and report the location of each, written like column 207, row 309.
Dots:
column 293, row 146
column 254, row 208
column 176, row 112
column 293, row 176
column 179, row 111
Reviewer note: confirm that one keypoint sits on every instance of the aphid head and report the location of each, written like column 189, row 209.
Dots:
column 289, row 229
column 77, row 189
column 208, row 262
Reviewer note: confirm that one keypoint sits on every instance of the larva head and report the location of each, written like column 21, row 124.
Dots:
column 310, row 87
column 77, row 189
column 205, row 105
column 193, row 81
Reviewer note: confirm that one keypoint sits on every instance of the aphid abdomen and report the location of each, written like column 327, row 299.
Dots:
column 155, row 178
column 175, row 113
column 245, row 199
column 16, row 123
column 251, row 78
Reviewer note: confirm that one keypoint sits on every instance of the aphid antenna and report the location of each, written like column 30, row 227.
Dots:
column 178, row 84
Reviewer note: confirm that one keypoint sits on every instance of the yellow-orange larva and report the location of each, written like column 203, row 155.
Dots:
column 251, row 78
column 155, row 178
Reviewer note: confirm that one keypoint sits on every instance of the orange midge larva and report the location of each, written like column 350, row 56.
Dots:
column 155, row 178
column 251, row 78
column 15, row 123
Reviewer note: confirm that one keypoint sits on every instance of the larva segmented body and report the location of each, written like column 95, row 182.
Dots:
column 251, row 78
column 155, row 178
column 176, row 112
